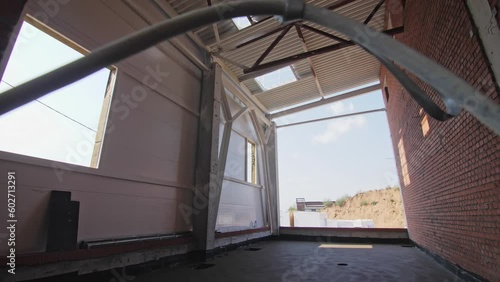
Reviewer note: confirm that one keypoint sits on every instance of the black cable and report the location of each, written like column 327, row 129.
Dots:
column 62, row 114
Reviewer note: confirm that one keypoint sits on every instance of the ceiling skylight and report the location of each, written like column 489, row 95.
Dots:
column 276, row 78
column 241, row 22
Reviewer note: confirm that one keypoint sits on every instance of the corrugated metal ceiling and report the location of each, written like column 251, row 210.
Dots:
column 335, row 71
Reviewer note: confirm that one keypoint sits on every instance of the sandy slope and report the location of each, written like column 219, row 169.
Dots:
column 386, row 212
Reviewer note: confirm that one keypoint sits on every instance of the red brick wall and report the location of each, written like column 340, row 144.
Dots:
column 10, row 11
column 452, row 200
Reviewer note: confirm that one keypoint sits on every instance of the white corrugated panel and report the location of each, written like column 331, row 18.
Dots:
column 336, row 71
column 289, row 94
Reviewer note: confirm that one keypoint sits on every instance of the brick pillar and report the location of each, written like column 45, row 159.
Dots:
column 10, row 13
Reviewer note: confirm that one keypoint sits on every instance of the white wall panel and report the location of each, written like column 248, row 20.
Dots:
column 158, row 137
column 236, row 157
column 109, row 207
column 241, row 202
column 240, row 206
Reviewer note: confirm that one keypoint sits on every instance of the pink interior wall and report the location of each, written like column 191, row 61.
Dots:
column 147, row 163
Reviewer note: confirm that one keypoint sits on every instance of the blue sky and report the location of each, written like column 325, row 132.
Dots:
column 331, row 158
column 58, row 126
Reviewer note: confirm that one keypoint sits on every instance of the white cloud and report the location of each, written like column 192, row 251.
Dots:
column 337, row 128
column 341, row 108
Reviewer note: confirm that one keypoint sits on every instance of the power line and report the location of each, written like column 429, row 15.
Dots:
column 56, row 110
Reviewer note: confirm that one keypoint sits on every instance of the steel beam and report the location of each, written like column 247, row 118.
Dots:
column 333, row 7
column 273, row 44
column 239, row 90
column 326, row 34
column 265, row 167
column 239, row 114
column 272, row 159
column 327, row 101
column 313, row 70
column 224, row 150
column 274, row 65
column 204, row 208
column 269, row 33
column 226, row 110
column 341, row 3
column 214, row 27
column 330, row 118
column 227, row 60
column 375, row 10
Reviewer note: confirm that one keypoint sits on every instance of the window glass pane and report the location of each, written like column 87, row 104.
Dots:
column 241, row 22
column 236, row 157
column 62, row 125
column 276, row 78
column 251, row 164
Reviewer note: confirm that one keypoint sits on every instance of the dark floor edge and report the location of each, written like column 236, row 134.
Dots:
column 128, row 272
column 224, row 249
column 454, row 268
column 396, row 241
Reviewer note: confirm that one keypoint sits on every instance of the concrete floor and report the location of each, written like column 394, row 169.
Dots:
column 289, row 261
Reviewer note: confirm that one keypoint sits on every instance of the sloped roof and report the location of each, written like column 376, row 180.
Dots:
column 317, row 76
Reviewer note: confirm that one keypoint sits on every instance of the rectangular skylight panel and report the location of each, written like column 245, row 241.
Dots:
column 276, row 78
column 241, row 22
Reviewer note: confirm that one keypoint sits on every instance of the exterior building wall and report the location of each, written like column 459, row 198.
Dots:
column 449, row 171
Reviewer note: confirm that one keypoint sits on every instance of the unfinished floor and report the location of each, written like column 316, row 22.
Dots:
column 311, row 261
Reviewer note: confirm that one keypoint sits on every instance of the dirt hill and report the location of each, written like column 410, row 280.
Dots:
column 383, row 206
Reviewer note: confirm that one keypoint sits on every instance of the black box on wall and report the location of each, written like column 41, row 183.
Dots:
column 63, row 222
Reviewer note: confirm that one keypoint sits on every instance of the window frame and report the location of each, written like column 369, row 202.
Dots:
column 104, row 113
column 253, row 170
